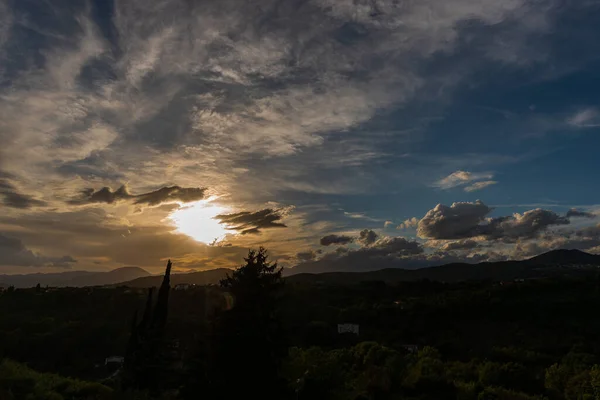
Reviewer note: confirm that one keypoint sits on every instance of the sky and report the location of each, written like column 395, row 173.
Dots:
column 341, row 135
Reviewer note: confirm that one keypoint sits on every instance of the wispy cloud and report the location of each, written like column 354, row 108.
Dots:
column 479, row 185
column 460, row 178
column 586, row 118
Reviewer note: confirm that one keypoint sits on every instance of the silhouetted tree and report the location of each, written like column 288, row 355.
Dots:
column 146, row 355
column 248, row 342
column 159, row 317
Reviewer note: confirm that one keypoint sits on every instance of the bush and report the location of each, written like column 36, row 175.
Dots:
column 20, row 382
column 498, row 393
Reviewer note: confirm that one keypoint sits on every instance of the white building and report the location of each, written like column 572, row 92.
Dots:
column 348, row 328
column 114, row 360
column 183, row 286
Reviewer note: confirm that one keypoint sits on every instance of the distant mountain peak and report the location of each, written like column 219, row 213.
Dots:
column 566, row 257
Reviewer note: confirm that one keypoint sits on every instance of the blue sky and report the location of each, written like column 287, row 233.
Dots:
column 290, row 121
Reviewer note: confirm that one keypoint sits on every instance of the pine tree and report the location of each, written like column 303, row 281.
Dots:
column 248, row 343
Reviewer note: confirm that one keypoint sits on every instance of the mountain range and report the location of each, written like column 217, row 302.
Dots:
column 74, row 278
column 551, row 264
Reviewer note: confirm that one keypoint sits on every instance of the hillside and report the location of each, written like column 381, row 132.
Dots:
column 553, row 263
column 208, row 277
column 565, row 257
column 74, row 278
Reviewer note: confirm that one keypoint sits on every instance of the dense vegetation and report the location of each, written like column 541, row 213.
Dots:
column 419, row 340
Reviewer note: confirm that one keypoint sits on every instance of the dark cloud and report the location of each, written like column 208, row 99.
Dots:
column 367, row 237
column 247, row 222
column 526, row 225
column 18, row 200
column 104, row 195
column 170, row 194
column 167, row 194
column 335, row 239
column 304, row 256
column 14, row 253
column 575, row 213
column 466, row 220
column 398, row 246
column 11, row 197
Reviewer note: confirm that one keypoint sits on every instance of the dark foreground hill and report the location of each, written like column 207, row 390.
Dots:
column 74, row 278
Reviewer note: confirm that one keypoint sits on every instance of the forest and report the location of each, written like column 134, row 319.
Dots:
column 255, row 335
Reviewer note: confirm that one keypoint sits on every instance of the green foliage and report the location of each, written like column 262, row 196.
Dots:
column 508, row 375
column 20, row 382
column 475, row 340
column 498, row 393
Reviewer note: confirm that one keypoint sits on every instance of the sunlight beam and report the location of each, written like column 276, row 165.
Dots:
column 197, row 220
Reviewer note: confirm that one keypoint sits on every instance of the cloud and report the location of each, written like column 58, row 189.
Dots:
column 236, row 96
column 14, row 253
column 167, row 194
column 575, row 213
column 586, row 118
column 203, row 89
column 467, row 220
column 104, row 195
column 459, row 178
column 479, row 185
column 367, row 237
column 526, row 225
column 460, row 220
column 398, row 246
column 304, row 256
column 409, row 223
column 11, row 197
column 335, row 239
column 388, row 224
column 170, row 194
column 460, row 245
column 247, row 222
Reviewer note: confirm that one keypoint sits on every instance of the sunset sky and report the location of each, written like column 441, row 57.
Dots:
column 339, row 134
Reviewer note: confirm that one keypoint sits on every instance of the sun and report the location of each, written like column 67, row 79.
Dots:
column 197, row 220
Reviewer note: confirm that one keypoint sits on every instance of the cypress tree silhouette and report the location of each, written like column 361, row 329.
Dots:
column 147, row 316
column 159, row 318
column 133, row 339
column 145, row 354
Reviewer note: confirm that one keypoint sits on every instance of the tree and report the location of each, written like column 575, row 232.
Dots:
column 248, row 341
column 146, row 360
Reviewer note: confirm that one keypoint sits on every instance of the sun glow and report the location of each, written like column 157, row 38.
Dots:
column 197, row 220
